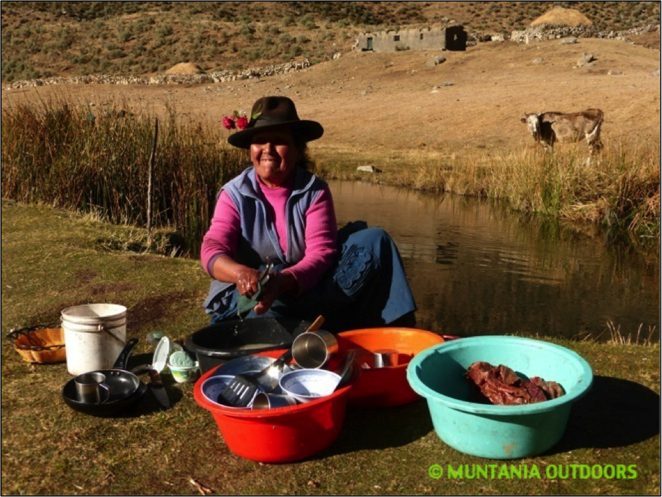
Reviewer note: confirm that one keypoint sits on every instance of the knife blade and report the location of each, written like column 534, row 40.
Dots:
column 158, row 390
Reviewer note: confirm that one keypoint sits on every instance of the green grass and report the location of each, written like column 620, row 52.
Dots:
column 54, row 258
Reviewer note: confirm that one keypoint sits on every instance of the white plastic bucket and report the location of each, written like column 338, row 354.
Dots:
column 94, row 336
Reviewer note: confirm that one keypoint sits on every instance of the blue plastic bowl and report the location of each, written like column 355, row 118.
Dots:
column 495, row 431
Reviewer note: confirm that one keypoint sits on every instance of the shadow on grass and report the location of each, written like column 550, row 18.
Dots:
column 614, row 413
column 381, row 428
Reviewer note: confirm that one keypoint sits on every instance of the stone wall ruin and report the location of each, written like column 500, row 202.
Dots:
column 435, row 38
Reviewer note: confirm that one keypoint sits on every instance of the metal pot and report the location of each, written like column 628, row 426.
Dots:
column 227, row 340
column 125, row 388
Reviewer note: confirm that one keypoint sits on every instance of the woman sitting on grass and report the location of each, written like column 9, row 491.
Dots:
column 277, row 212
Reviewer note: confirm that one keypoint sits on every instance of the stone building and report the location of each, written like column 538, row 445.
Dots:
column 436, row 38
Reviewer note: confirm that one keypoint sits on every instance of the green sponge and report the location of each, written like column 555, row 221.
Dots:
column 245, row 304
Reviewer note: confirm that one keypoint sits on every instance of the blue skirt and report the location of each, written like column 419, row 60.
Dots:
column 367, row 286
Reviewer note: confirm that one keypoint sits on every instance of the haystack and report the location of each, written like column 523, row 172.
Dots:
column 185, row 68
column 559, row 16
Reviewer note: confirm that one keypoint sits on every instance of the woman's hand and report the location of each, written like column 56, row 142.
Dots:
column 279, row 284
column 246, row 280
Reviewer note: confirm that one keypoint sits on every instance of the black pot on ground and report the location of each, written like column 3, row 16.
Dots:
column 221, row 342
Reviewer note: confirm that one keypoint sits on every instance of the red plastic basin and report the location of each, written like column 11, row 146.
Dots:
column 284, row 434
column 386, row 386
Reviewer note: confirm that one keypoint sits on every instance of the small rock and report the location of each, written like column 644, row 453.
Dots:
column 435, row 61
column 570, row 40
column 614, row 72
column 336, row 55
column 368, row 169
column 447, row 83
column 537, row 60
column 586, row 58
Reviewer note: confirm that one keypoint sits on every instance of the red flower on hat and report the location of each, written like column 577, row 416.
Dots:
column 235, row 121
column 228, row 122
column 241, row 122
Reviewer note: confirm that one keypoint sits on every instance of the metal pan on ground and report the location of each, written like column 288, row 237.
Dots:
column 125, row 388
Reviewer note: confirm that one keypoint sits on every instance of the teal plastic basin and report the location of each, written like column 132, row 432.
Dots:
column 494, row 431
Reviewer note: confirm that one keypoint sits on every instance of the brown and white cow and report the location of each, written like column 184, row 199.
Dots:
column 550, row 127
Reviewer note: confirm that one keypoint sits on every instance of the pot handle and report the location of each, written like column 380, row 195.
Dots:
column 123, row 358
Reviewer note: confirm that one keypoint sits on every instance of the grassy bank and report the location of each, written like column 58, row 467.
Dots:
column 53, row 258
column 618, row 190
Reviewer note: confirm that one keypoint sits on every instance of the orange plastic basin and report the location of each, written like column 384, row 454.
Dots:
column 283, row 434
column 386, row 386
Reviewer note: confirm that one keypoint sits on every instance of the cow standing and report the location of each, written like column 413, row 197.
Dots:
column 550, row 127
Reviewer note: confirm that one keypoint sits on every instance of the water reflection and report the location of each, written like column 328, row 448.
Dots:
column 480, row 269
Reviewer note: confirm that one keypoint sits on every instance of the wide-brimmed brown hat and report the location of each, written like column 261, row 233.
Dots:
column 276, row 112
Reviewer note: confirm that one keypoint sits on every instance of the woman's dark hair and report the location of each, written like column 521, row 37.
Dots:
column 305, row 160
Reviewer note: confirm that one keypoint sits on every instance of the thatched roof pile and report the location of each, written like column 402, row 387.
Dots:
column 559, row 16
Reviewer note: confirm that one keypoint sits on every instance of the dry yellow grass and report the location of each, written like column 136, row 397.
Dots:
column 377, row 104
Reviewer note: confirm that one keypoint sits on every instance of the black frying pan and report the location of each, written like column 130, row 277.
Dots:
column 125, row 388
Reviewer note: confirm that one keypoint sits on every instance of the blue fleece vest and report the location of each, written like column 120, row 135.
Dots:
column 259, row 239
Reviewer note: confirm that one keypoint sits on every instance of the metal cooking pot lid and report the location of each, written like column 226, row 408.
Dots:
column 161, row 353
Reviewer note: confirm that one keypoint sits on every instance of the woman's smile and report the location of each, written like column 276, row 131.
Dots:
column 274, row 156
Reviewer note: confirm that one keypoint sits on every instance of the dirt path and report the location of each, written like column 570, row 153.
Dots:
column 382, row 102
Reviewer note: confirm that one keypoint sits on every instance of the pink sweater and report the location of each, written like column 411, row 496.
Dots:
column 321, row 230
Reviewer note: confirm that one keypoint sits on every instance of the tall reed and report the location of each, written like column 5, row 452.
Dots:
column 619, row 189
column 74, row 156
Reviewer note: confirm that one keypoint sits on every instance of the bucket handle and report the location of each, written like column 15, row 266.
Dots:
column 102, row 328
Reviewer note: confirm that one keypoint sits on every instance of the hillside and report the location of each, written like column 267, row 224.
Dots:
column 41, row 39
column 375, row 103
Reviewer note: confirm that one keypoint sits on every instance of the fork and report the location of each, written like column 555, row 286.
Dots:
column 243, row 387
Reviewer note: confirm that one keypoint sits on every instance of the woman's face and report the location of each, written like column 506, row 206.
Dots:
column 274, row 156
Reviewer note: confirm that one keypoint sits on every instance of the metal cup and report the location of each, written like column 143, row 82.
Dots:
column 386, row 357
column 90, row 387
column 311, row 350
column 271, row 400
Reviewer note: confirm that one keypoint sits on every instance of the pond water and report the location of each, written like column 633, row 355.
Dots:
column 478, row 269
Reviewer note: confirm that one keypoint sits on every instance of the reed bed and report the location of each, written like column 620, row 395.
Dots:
column 74, row 156
column 618, row 189
column 70, row 155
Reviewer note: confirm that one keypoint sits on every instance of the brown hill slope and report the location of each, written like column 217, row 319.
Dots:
column 41, row 39
column 398, row 102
